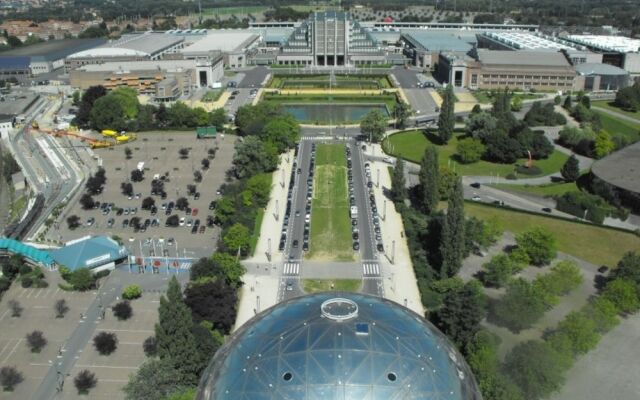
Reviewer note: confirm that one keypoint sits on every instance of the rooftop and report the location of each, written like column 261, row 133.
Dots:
column 338, row 346
column 54, row 49
column 599, row 69
column 608, row 43
column 149, row 42
column 438, row 41
column 128, row 66
column 523, row 58
column 528, row 41
column 89, row 252
column 621, row 169
column 34, row 254
column 226, row 41
column 108, row 52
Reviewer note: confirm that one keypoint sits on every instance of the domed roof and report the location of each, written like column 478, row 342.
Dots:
column 342, row 346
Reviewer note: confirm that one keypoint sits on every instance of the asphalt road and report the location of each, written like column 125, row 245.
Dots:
column 254, row 77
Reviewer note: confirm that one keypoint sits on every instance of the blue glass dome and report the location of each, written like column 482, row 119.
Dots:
column 338, row 346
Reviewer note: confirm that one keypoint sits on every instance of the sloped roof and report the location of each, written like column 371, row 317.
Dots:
column 89, row 253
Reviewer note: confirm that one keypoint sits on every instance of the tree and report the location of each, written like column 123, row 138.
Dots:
column 623, row 293
column 603, row 312
column 213, row 301
column 568, row 105
column 132, row 292
column 282, row 132
column 127, row 188
column 563, row 277
column 536, row 368
column 82, row 279
column 173, row 221
column 122, row 310
column 182, row 203
column 108, row 113
column 498, row 270
column 253, row 156
column 628, row 267
column 89, row 97
column 373, row 125
column 522, row 305
column 184, row 153
column 571, row 169
column 61, row 308
column 481, row 125
column 36, row 341
column 128, row 98
column 105, row 343
column 557, row 100
column 147, row 203
column 581, row 331
column 452, row 241
column 73, row 221
column 469, row 150
column 155, row 379
column 603, row 144
column 516, row 103
column 446, row 120
column 16, row 308
column 150, row 346
column 461, row 313
column 192, row 189
column 87, row 201
column 127, row 153
column 85, row 381
column 539, row 244
column 237, row 238
column 197, row 176
column 402, row 112
column 429, row 179
column 205, row 163
column 398, row 189
column 137, row 175
column 9, row 378
column 176, row 343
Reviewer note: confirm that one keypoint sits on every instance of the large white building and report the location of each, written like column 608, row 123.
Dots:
column 619, row 51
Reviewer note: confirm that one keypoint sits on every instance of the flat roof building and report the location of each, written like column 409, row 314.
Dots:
column 601, row 77
column 620, row 51
column 232, row 44
column 423, row 47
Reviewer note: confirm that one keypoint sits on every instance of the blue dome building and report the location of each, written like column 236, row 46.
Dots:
column 338, row 346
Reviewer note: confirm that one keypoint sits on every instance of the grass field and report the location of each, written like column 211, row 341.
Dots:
column 484, row 97
column 325, row 285
column 410, row 145
column 322, row 82
column 17, row 207
column 330, row 224
column 256, row 230
column 549, row 190
column 234, row 10
column 596, row 244
column 617, row 126
column 609, row 105
column 212, row 95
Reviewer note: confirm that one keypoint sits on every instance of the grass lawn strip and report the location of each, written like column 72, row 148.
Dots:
column 548, row 190
column 410, row 145
column 324, row 285
column 595, row 244
column 616, row 126
column 256, row 230
column 609, row 105
column 330, row 224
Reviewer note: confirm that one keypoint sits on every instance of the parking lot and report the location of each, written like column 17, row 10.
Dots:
column 159, row 151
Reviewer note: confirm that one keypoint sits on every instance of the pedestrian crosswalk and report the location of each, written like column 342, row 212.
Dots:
column 308, row 137
column 371, row 269
column 291, row 269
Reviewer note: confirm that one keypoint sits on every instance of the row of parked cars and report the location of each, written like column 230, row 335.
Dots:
column 355, row 232
column 287, row 213
column 374, row 209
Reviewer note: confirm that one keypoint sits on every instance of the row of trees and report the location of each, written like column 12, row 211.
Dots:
column 121, row 110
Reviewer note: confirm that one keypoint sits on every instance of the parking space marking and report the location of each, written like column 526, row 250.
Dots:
column 4, row 315
column 5, row 347
column 104, row 366
column 12, row 351
column 128, row 330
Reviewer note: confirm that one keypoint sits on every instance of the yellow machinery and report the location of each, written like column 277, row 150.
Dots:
column 35, row 125
column 98, row 144
column 94, row 143
column 130, row 137
column 109, row 133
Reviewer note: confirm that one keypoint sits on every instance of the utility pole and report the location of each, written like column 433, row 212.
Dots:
column 277, row 210
column 378, row 178
column 269, row 249
column 384, row 210
column 393, row 252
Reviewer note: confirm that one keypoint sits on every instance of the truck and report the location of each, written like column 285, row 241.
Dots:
column 354, row 212
column 205, row 132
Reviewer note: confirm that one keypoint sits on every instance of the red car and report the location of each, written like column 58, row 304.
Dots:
column 194, row 212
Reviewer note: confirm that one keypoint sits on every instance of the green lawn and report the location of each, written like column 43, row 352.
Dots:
column 325, row 285
column 548, row 190
column 609, row 105
column 234, row 10
column 410, row 145
column 616, row 126
column 484, row 97
column 18, row 206
column 212, row 95
column 330, row 223
column 595, row 244
column 377, row 81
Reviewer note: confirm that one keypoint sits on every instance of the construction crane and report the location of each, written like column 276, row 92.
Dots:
column 93, row 143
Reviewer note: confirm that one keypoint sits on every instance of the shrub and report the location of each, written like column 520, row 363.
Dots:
column 105, row 343
column 26, row 281
column 563, row 277
column 150, row 346
column 122, row 310
column 469, row 150
column 132, row 292
column 498, row 270
column 539, row 244
column 25, row 269
column 623, row 294
column 525, row 170
column 9, row 378
column 61, row 308
column 36, row 341
column 522, row 305
column 582, row 205
column 85, row 381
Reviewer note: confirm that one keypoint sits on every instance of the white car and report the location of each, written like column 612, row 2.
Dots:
column 182, row 221
column 387, row 160
column 476, row 198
